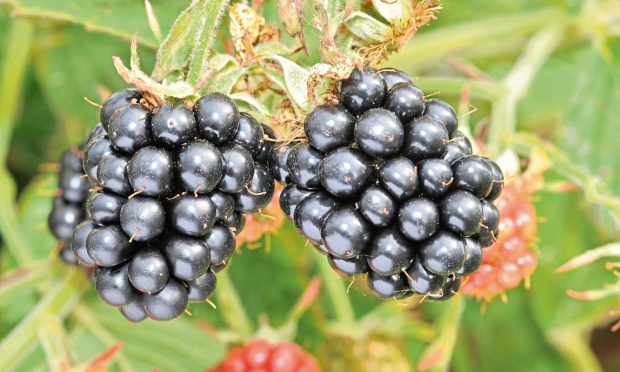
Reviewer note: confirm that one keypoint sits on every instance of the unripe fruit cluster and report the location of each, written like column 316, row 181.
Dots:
column 387, row 185
column 261, row 355
column 173, row 187
column 509, row 260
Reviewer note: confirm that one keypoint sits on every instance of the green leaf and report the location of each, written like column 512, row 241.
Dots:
column 66, row 81
column 294, row 80
column 189, row 42
column 117, row 17
column 367, row 28
column 223, row 81
column 34, row 206
column 253, row 103
column 24, row 279
column 13, row 68
column 396, row 11
column 274, row 47
column 142, row 342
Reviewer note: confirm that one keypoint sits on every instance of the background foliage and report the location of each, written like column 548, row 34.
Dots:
column 543, row 74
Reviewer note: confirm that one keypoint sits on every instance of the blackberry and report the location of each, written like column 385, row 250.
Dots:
column 173, row 124
column 68, row 210
column 174, row 185
column 345, row 172
column 104, row 207
column 329, row 127
column 386, row 184
column 303, row 162
column 345, row 232
column 379, row 133
column 192, row 216
column 130, row 128
column 362, row 91
column 200, row 166
column 114, row 102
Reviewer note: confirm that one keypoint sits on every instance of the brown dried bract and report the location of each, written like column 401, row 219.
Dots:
column 287, row 118
column 422, row 12
column 268, row 33
column 247, row 28
column 342, row 68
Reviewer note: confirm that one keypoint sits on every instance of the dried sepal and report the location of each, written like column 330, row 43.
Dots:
column 341, row 70
column 291, row 13
column 422, row 12
column 247, row 29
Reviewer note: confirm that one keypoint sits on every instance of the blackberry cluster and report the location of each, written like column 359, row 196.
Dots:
column 69, row 205
column 387, row 185
column 173, row 187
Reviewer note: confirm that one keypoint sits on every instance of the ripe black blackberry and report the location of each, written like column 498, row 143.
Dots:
column 68, row 208
column 173, row 184
column 387, row 185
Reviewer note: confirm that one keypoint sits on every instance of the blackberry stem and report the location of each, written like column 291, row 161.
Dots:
column 336, row 290
column 231, row 307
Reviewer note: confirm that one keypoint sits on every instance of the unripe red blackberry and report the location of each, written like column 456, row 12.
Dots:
column 508, row 260
column 261, row 355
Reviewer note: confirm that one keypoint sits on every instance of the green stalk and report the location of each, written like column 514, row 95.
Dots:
column 230, row 306
column 23, row 337
column 518, row 81
column 572, row 341
column 448, row 39
column 332, row 283
column 24, row 278
column 88, row 319
column 55, row 342
column 454, row 85
column 13, row 68
column 437, row 355
column 336, row 290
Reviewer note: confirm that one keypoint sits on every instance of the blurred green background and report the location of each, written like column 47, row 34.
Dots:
column 56, row 52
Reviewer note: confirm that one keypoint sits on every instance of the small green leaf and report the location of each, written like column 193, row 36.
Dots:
column 295, row 80
column 274, row 47
column 252, row 102
column 120, row 18
column 396, row 12
column 189, row 42
column 218, row 61
column 367, row 28
column 223, row 81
